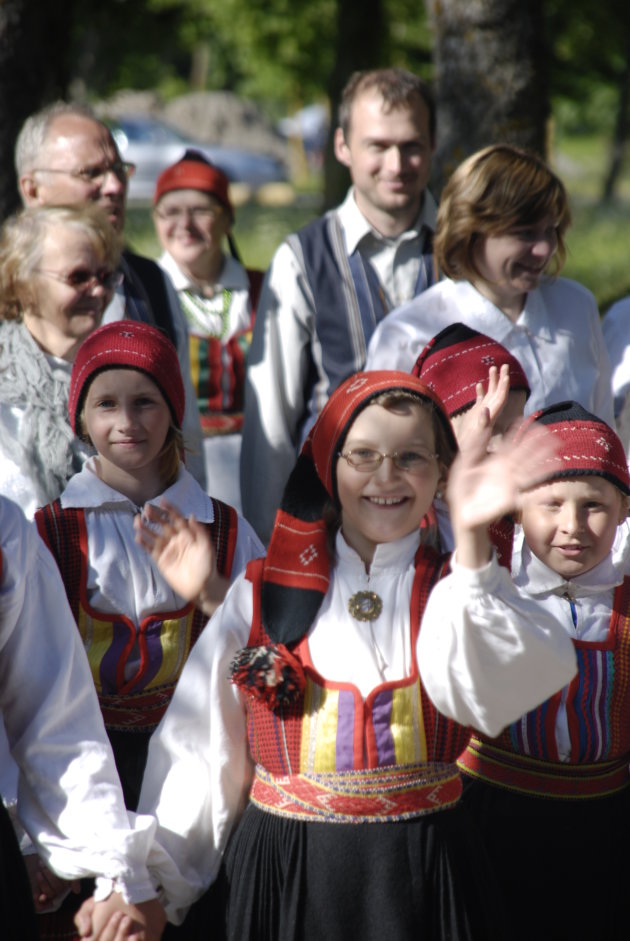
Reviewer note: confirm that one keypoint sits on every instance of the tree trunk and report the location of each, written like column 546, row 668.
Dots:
column 491, row 78
column 33, row 43
column 621, row 132
column 361, row 35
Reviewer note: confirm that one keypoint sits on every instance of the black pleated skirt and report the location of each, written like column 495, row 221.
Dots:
column 563, row 865
column 288, row 880
column 17, row 915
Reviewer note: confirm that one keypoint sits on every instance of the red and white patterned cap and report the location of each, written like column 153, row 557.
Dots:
column 457, row 358
column 585, row 445
column 132, row 345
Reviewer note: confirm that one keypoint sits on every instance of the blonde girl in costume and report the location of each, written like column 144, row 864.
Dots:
column 323, row 762
column 127, row 400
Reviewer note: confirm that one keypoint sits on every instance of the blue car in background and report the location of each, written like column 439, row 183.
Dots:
column 153, row 145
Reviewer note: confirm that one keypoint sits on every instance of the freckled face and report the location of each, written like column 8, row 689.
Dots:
column 570, row 524
column 388, row 503
column 127, row 420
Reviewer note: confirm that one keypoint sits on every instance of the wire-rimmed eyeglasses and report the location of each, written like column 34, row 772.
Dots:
column 368, row 460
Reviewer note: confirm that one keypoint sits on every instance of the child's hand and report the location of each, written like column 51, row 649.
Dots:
column 114, row 920
column 183, row 551
column 48, row 890
column 483, row 487
column 477, row 424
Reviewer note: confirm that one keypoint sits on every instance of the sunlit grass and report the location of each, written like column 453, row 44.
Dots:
column 599, row 239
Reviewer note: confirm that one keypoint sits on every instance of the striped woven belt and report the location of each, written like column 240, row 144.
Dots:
column 543, row 778
column 136, row 712
column 371, row 796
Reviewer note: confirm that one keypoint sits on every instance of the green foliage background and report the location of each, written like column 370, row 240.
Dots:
column 281, row 54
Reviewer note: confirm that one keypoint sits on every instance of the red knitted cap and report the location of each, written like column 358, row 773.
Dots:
column 296, row 570
column 457, row 358
column 194, row 172
column 132, row 345
column 586, row 445
column 330, row 430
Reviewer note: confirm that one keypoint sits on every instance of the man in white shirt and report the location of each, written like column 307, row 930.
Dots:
column 65, row 156
column 332, row 282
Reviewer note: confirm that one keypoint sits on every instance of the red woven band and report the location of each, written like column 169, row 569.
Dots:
column 543, row 778
column 373, row 796
column 137, row 713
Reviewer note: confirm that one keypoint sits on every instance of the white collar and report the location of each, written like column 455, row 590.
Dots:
column 232, row 276
column 87, row 491
column 356, row 226
column 534, row 318
column 536, row 578
column 397, row 555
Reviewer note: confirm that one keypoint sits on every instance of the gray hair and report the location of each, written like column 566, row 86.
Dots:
column 32, row 137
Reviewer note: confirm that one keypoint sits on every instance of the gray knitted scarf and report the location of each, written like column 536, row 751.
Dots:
column 45, row 448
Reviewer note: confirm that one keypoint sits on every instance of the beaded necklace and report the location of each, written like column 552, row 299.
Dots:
column 203, row 315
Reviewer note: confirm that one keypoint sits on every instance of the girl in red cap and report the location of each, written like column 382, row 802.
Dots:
column 322, row 775
column 126, row 400
column 551, row 793
column 193, row 217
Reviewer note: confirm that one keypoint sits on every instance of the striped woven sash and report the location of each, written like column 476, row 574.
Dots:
column 543, row 778
column 368, row 796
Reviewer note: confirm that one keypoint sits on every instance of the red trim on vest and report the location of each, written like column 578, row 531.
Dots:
column 65, row 533
column 278, row 748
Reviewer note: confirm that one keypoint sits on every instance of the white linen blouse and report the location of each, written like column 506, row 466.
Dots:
column 482, row 657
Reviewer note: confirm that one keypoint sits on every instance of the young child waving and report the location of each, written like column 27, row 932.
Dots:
column 551, row 792
column 473, row 375
column 324, row 762
column 127, row 399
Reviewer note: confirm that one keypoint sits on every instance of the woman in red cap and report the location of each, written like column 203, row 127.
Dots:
column 323, row 762
column 193, row 217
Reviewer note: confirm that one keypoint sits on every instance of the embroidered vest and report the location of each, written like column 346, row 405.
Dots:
column 598, row 710
column 161, row 642
column 217, row 369
column 331, row 728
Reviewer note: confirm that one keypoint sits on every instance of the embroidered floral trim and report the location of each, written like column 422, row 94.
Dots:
column 268, row 673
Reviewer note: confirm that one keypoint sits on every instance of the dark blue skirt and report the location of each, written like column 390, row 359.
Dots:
column 563, row 865
column 288, row 880
column 17, row 915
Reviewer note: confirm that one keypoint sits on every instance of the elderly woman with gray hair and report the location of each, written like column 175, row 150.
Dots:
column 57, row 274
